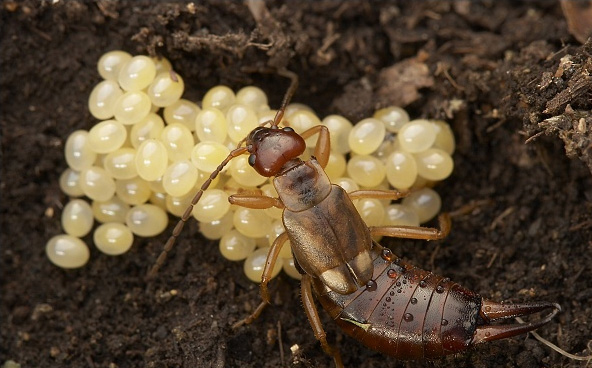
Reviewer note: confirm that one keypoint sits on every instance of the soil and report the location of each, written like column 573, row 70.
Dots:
column 499, row 72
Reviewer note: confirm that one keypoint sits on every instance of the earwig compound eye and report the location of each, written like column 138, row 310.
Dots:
column 252, row 158
column 288, row 129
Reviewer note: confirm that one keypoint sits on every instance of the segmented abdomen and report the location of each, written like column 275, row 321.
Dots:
column 405, row 312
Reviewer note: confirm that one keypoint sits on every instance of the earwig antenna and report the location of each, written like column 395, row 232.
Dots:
column 235, row 153
column 187, row 214
column 287, row 97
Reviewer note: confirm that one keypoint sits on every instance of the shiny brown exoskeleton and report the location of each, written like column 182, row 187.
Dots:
column 384, row 302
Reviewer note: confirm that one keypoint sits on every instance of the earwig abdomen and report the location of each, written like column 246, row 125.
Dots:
column 416, row 314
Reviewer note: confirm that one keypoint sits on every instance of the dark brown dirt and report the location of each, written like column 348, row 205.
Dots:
column 499, row 72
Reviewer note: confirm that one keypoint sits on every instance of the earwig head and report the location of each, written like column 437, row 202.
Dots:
column 271, row 148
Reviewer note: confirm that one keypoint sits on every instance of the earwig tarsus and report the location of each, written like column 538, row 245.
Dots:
column 384, row 302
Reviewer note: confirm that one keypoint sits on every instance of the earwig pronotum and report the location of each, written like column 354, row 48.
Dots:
column 374, row 296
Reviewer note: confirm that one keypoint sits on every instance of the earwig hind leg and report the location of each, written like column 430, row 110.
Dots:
column 315, row 321
column 415, row 232
column 378, row 194
column 260, row 202
column 323, row 146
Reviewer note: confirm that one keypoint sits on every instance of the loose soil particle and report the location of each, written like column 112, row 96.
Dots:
column 499, row 72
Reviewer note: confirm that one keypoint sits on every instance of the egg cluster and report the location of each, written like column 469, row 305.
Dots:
column 152, row 150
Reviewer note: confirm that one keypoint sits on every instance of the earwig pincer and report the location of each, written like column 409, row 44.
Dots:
column 386, row 303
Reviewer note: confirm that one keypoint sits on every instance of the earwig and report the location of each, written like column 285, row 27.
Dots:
column 384, row 302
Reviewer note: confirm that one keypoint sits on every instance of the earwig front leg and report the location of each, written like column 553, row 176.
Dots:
column 323, row 146
column 378, row 194
column 259, row 202
column 315, row 322
column 415, row 232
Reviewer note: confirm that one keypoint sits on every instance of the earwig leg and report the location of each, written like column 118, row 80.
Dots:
column 470, row 207
column 272, row 256
column 252, row 317
column 415, row 232
column 323, row 146
column 263, row 202
column 313, row 317
column 255, row 201
column 378, row 194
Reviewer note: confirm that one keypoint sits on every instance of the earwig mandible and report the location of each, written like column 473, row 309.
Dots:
column 386, row 303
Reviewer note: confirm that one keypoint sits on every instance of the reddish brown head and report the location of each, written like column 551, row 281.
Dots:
column 271, row 148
